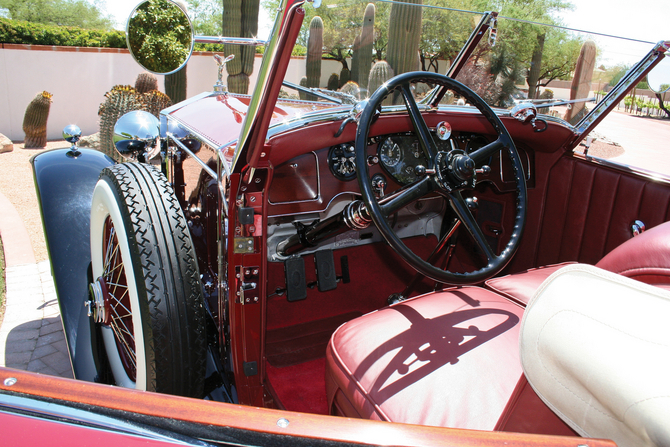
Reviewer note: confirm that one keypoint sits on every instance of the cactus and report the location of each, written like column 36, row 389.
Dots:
column 240, row 19
column 404, row 36
column 345, row 76
column 314, row 53
column 146, row 82
column 119, row 100
column 365, row 48
column 333, row 82
column 35, row 121
column 355, row 55
column 351, row 88
column 175, row 85
column 303, row 82
column 154, row 101
column 380, row 73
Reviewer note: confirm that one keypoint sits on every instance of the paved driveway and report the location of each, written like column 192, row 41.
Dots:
column 646, row 141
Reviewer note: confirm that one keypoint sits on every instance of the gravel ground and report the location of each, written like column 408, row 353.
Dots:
column 17, row 184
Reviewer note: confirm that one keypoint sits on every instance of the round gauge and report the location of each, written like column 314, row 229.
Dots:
column 390, row 153
column 342, row 161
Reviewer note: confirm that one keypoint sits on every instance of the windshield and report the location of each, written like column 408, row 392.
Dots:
column 352, row 47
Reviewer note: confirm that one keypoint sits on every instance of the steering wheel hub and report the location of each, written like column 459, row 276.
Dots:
column 455, row 170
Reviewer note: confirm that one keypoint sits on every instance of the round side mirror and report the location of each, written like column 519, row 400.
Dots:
column 659, row 78
column 159, row 35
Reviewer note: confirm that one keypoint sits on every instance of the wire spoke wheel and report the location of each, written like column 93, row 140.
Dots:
column 146, row 292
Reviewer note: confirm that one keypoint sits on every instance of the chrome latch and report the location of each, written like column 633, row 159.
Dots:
column 638, row 228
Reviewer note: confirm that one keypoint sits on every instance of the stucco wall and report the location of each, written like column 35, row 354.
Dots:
column 79, row 78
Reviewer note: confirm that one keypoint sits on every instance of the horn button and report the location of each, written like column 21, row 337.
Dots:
column 455, row 170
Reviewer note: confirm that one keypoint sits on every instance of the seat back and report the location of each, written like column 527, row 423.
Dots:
column 595, row 346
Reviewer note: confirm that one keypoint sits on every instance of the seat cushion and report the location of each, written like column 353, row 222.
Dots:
column 448, row 359
column 522, row 285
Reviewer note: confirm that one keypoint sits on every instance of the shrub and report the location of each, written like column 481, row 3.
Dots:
column 20, row 32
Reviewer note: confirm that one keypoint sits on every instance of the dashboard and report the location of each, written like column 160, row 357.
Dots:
column 309, row 182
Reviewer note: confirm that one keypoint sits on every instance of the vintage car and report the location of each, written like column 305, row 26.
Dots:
column 408, row 267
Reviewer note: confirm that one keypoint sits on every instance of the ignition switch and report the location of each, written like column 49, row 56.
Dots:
column 378, row 185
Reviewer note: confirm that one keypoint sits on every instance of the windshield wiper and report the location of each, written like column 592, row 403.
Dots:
column 329, row 95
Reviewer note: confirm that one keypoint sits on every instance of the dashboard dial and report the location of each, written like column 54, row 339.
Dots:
column 342, row 161
column 390, row 153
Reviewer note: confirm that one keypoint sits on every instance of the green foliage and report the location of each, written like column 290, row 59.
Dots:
column 206, row 16
column 78, row 13
column 159, row 36
column 21, row 32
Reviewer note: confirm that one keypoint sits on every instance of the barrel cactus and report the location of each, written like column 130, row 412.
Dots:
column 352, row 89
column 365, row 46
column 381, row 72
column 35, row 121
column 146, row 82
column 314, row 52
column 154, row 101
column 120, row 100
column 333, row 82
column 240, row 19
column 175, row 85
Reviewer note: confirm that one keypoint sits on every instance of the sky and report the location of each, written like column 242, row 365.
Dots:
column 645, row 20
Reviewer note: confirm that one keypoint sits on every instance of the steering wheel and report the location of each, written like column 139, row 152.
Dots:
column 448, row 173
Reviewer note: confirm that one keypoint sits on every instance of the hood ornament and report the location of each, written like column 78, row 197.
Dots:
column 221, row 63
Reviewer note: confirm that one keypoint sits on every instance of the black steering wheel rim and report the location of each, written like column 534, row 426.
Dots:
column 429, row 183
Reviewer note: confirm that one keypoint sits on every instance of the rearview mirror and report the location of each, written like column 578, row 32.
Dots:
column 159, row 35
column 659, row 78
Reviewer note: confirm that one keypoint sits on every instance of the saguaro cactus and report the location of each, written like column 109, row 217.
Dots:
column 365, row 48
column 118, row 101
column 314, row 52
column 303, row 83
column 240, row 19
column 380, row 73
column 404, row 36
column 175, row 85
column 581, row 82
column 146, row 82
column 35, row 121
column 345, row 76
column 355, row 55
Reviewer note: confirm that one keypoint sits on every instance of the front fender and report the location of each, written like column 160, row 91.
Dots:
column 65, row 184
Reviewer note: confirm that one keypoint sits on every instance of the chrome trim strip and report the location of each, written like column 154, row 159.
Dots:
column 646, row 174
column 230, row 40
column 204, row 166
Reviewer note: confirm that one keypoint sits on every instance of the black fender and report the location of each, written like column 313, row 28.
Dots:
column 65, row 181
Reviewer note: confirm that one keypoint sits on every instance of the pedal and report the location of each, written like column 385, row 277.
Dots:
column 325, row 270
column 296, row 284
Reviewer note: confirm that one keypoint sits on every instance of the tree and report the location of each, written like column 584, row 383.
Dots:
column 78, row 13
column 206, row 16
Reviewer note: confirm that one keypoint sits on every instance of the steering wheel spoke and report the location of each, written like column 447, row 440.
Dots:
column 482, row 154
column 405, row 196
column 420, row 126
column 462, row 210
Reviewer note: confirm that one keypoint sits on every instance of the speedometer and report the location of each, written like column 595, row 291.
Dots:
column 390, row 153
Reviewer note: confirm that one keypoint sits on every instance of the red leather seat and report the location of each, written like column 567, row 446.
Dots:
column 645, row 258
column 448, row 358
